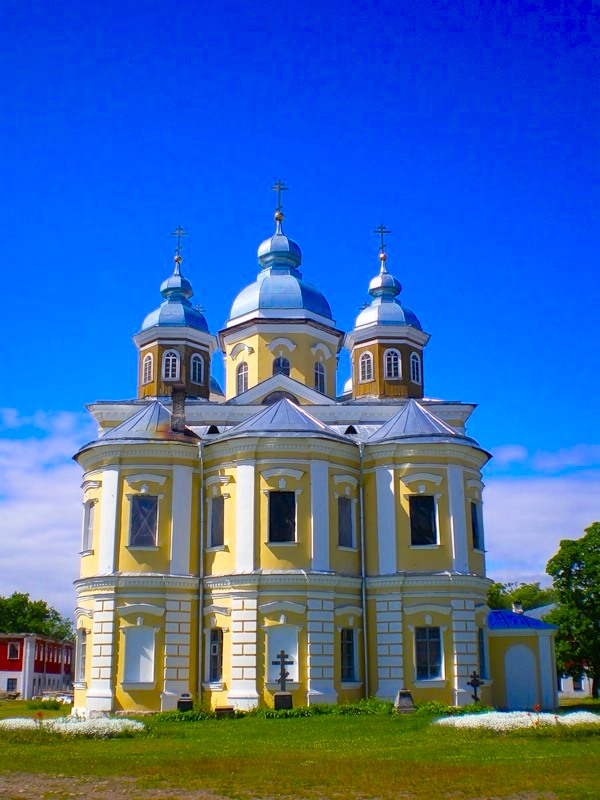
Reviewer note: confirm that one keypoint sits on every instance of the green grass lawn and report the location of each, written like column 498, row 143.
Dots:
column 323, row 757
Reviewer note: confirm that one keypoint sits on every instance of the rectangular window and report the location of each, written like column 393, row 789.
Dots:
column 476, row 527
column 13, row 651
column 481, row 653
column 215, row 655
column 428, row 646
column 578, row 684
column 345, row 532
column 282, row 517
column 81, row 654
column 144, row 516
column 88, row 526
column 139, row 655
column 348, row 671
column 423, row 529
column 217, row 507
column 11, row 684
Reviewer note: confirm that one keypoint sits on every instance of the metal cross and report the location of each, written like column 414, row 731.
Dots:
column 475, row 682
column 281, row 662
column 279, row 187
column 381, row 230
column 179, row 232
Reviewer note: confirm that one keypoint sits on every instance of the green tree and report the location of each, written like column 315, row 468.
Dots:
column 19, row 614
column 575, row 572
column 530, row 595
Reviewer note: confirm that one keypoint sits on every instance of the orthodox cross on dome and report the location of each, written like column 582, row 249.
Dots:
column 178, row 232
column 381, row 230
column 279, row 187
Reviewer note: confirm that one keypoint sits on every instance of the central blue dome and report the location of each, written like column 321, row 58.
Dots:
column 279, row 284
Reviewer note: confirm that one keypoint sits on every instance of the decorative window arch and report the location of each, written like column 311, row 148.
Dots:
column 392, row 362
column 197, row 369
column 415, row 368
column 147, row 368
column 241, row 375
column 170, row 365
column 281, row 366
column 365, row 367
column 319, row 377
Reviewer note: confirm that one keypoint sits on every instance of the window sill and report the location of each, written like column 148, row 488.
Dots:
column 83, row 553
column 347, row 548
column 396, row 378
column 213, row 687
column 143, row 547
column 290, row 686
column 430, row 683
column 425, row 546
column 281, row 544
column 371, row 380
column 351, row 684
column 479, row 550
column 217, row 549
column 127, row 686
column 79, row 684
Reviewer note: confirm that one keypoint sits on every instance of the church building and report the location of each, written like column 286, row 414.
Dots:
column 223, row 527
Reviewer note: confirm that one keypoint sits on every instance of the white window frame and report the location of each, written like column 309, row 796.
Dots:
column 354, row 678
column 197, row 359
column 320, row 377
column 17, row 646
column 415, row 359
column 392, row 351
column 241, row 377
column 171, row 354
column 155, row 546
column 87, row 533
column 440, row 679
column 287, row 369
column 147, row 369
column 211, row 500
column 365, row 368
column 209, row 645
column 352, row 501
column 436, row 507
column 479, row 513
column 132, row 679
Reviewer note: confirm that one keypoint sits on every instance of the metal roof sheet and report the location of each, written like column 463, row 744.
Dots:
column 283, row 418
column 414, row 421
column 508, row 620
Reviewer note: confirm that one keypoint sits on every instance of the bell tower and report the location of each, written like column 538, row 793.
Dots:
column 387, row 341
column 174, row 344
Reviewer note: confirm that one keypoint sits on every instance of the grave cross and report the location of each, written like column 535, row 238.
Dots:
column 281, row 662
column 475, row 682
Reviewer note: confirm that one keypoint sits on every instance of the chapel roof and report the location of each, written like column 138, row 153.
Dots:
column 415, row 422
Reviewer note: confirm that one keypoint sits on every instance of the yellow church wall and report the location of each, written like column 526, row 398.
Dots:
column 221, row 560
column 284, row 555
column 498, row 645
column 342, row 559
column 145, row 559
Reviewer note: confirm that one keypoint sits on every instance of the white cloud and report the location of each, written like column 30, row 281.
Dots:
column 580, row 455
column 40, row 505
column 510, row 454
column 525, row 519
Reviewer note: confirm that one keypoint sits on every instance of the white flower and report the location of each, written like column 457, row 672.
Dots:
column 19, row 723
column 102, row 728
column 511, row 720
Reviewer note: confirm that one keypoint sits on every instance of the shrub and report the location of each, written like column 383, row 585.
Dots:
column 435, row 709
column 44, row 705
column 196, row 715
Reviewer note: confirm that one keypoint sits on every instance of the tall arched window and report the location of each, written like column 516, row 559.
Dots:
column 197, row 369
column 147, row 368
column 281, row 366
column 170, row 370
column 320, row 377
column 242, row 377
column 415, row 368
column 393, row 364
column 365, row 366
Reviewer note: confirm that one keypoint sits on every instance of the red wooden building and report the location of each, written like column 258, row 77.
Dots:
column 31, row 664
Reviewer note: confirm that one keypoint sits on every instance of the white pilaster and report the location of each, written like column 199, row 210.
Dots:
column 390, row 651
column 319, row 513
column 464, row 649
column 243, row 693
column 28, row 664
column 549, row 698
column 245, row 499
column 108, row 520
column 181, row 519
column 458, row 519
column 386, row 520
column 99, row 697
column 176, row 673
column 320, row 667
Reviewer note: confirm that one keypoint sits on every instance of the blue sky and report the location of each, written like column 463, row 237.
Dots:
column 470, row 129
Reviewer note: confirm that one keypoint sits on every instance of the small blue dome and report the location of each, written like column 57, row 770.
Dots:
column 176, row 310
column 279, row 283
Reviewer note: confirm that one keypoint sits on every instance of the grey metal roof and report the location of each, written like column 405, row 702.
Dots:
column 176, row 309
column 283, row 418
column 541, row 611
column 415, row 422
column 384, row 309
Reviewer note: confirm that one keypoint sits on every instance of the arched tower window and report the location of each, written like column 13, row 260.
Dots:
column 365, row 366
column 242, row 378
column 392, row 364
column 170, row 368
column 415, row 368
column 320, row 377
column 281, row 366
column 147, row 368
column 197, row 369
